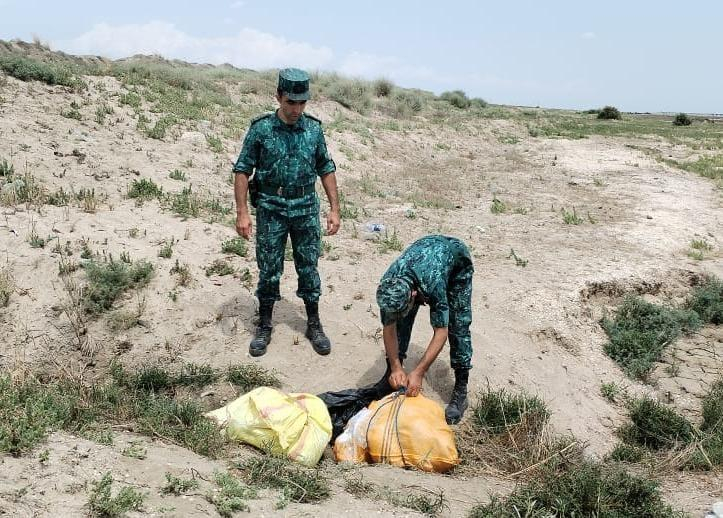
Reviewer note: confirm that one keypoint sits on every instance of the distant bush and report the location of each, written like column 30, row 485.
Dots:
column 404, row 104
column 476, row 102
column 456, row 98
column 592, row 111
column 609, row 112
column 351, row 93
column 682, row 119
column 383, row 87
column 27, row 69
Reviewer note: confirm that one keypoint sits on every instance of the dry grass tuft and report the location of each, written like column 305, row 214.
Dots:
column 509, row 436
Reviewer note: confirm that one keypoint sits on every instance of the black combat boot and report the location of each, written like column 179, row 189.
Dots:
column 314, row 331
column 458, row 403
column 262, row 337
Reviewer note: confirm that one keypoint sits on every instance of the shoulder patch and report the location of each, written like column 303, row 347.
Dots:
column 312, row 118
column 261, row 117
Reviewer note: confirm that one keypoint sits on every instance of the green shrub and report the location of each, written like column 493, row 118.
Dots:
column 236, row 245
column 682, row 119
column 713, row 408
column 609, row 112
column 402, row 104
column 498, row 206
column 144, row 189
column 589, row 489
column 158, row 130
column 456, row 98
column 7, row 287
column 351, row 93
column 640, row 331
column 27, row 69
column 248, row 376
column 707, row 301
column 383, row 87
column 627, row 453
column 103, row 505
column 71, row 114
column 219, row 267
column 214, row 143
column 495, row 412
column 655, row 426
column 177, row 174
column 131, row 99
column 109, row 279
column 298, row 484
column 6, row 168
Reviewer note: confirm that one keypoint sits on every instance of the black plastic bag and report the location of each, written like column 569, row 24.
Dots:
column 343, row 405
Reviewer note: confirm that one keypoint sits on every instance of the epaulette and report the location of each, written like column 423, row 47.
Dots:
column 312, row 117
column 261, row 117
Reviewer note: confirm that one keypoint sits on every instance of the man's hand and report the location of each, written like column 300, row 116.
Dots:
column 333, row 221
column 414, row 383
column 398, row 378
column 243, row 225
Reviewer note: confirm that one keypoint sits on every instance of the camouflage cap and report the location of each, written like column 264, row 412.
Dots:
column 294, row 83
column 394, row 295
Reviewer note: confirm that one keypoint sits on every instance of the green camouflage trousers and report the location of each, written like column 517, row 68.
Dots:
column 459, row 298
column 272, row 230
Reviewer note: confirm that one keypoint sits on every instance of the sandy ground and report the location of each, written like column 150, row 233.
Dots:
column 535, row 327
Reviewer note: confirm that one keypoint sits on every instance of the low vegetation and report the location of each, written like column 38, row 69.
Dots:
column 640, row 331
column 657, row 429
column 587, row 489
column 102, row 504
column 296, row 483
column 507, row 433
column 425, row 502
column 144, row 401
column 609, row 113
column 107, row 280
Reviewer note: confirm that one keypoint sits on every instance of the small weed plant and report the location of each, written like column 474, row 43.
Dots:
column 236, row 246
column 571, row 218
column 102, row 504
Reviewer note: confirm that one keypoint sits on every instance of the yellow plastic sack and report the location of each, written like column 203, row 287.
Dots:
column 295, row 425
column 402, row 431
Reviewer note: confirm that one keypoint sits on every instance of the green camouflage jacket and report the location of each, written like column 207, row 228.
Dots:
column 427, row 265
column 285, row 156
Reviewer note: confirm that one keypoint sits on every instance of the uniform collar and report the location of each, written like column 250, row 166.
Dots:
column 299, row 126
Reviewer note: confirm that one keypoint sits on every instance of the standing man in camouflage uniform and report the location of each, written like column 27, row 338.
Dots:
column 286, row 151
column 434, row 270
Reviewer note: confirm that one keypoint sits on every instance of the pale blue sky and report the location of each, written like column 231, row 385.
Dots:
column 643, row 55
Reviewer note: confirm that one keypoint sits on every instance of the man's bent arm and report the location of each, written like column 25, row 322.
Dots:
column 397, row 378
column 415, row 378
column 435, row 346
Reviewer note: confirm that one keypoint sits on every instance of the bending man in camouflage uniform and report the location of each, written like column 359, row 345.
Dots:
column 286, row 150
column 434, row 270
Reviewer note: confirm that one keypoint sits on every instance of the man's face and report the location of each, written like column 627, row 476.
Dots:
column 290, row 111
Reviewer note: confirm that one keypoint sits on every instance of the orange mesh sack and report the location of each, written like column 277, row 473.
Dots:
column 410, row 432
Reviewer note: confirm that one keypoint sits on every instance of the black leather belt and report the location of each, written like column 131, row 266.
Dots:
column 288, row 192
